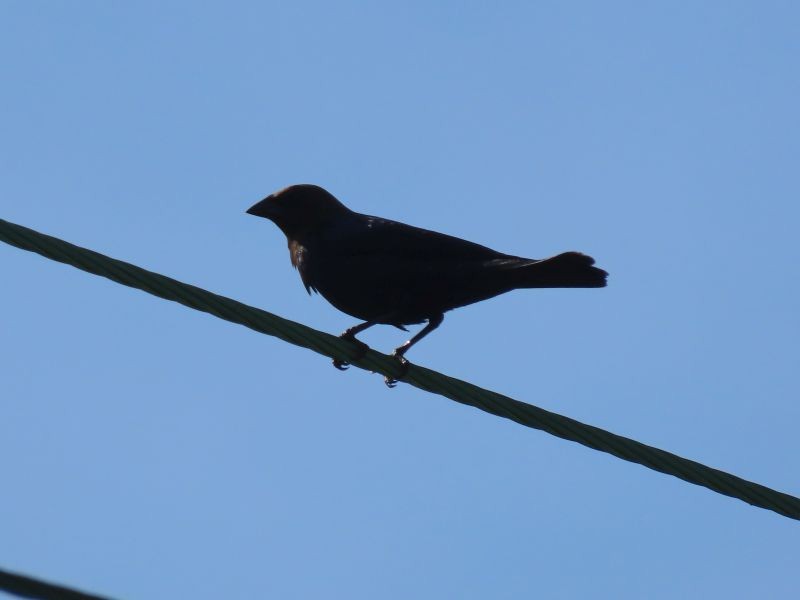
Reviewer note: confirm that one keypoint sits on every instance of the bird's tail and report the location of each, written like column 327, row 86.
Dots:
column 567, row 270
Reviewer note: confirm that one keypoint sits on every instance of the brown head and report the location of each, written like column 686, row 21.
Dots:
column 299, row 209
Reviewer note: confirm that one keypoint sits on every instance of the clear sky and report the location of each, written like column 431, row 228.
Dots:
column 149, row 451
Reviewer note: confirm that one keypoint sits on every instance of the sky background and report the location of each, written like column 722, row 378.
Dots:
column 150, row 451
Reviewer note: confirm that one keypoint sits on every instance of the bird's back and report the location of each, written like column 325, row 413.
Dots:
column 374, row 268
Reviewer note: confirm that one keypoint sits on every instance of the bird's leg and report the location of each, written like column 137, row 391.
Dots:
column 433, row 323
column 399, row 353
column 350, row 335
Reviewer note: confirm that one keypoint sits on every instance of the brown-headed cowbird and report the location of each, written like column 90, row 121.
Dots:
column 385, row 272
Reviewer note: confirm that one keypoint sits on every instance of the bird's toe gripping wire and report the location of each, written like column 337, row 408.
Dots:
column 433, row 323
column 341, row 364
column 404, row 365
column 361, row 347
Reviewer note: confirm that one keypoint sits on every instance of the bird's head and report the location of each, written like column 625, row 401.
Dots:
column 299, row 209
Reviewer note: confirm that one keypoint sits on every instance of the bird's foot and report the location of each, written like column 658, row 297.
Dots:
column 404, row 366
column 361, row 347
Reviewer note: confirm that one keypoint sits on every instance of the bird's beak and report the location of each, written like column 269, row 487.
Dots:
column 265, row 208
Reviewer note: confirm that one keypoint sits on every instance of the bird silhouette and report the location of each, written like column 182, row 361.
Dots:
column 386, row 272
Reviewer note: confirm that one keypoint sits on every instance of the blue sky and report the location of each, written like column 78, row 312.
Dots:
column 150, row 451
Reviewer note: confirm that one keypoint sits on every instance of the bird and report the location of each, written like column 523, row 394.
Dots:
column 384, row 272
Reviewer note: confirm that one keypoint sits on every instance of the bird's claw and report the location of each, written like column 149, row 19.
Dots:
column 391, row 382
column 343, row 365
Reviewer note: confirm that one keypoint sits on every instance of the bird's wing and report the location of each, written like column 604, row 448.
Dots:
column 367, row 235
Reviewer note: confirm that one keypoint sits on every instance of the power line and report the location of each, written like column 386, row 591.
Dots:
column 28, row 587
column 420, row 377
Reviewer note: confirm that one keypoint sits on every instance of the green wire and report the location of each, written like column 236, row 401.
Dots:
column 420, row 377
